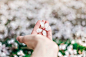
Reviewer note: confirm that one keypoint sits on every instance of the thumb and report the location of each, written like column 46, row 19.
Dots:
column 20, row 39
column 24, row 39
column 29, row 40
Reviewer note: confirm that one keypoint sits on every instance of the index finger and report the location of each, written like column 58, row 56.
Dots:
column 36, row 27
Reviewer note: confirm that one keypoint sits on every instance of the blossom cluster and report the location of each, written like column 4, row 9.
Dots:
column 67, row 48
column 12, row 48
column 70, row 51
column 44, row 27
column 66, row 17
column 4, row 50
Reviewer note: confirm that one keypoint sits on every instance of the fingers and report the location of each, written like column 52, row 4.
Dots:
column 36, row 27
column 46, row 22
column 49, row 33
column 43, row 21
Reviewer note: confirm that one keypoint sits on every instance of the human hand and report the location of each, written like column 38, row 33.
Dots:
column 42, row 45
column 38, row 25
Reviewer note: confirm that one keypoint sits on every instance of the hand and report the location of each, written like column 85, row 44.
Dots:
column 42, row 45
column 49, row 33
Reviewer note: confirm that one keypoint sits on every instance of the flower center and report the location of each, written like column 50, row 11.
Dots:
column 43, row 28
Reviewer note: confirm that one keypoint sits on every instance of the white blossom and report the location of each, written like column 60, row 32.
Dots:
column 73, row 42
column 3, row 50
column 39, row 30
column 20, row 53
column 62, row 46
column 44, row 28
column 75, row 51
column 44, row 33
column 15, row 56
column 11, row 41
column 59, row 54
column 67, row 53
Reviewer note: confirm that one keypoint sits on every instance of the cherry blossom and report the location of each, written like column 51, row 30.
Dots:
column 11, row 41
column 15, row 56
column 44, row 28
column 20, row 53
column 3, row 50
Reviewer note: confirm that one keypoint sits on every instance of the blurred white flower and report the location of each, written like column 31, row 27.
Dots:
column 75, row 51
column 15, row 45
column 20, row 53
column 3, row 50
column 62, row 46
column 11, row 41
column 67, row 53
column 15, row 56
column 59, row 54
column 73, row 42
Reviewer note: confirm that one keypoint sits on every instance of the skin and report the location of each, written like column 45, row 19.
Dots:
column 43, row 46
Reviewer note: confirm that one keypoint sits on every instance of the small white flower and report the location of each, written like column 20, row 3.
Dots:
column 80, row 55
column 73, row 41
column 23, row 44
column 3, row 54
column 65, row 56
column 39, row 30
column 44, row 32
column 44, row 27
column 15, row 45
column 66, row 52
column 84, row 53
column 20, row 53
column 62, row 46
column 70, row 49
column 15, row 56
column 71, row 46
column 11, row 41
column 75, row 51
column 59, row 54
column 42, row 24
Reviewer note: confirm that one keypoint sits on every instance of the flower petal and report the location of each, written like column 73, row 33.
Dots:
column 48, row 28
column 44, row 32
column 46, row 25
column 39, row 30
column 42, row 24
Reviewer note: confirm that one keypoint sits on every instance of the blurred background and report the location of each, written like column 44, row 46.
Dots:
column 67, row 19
